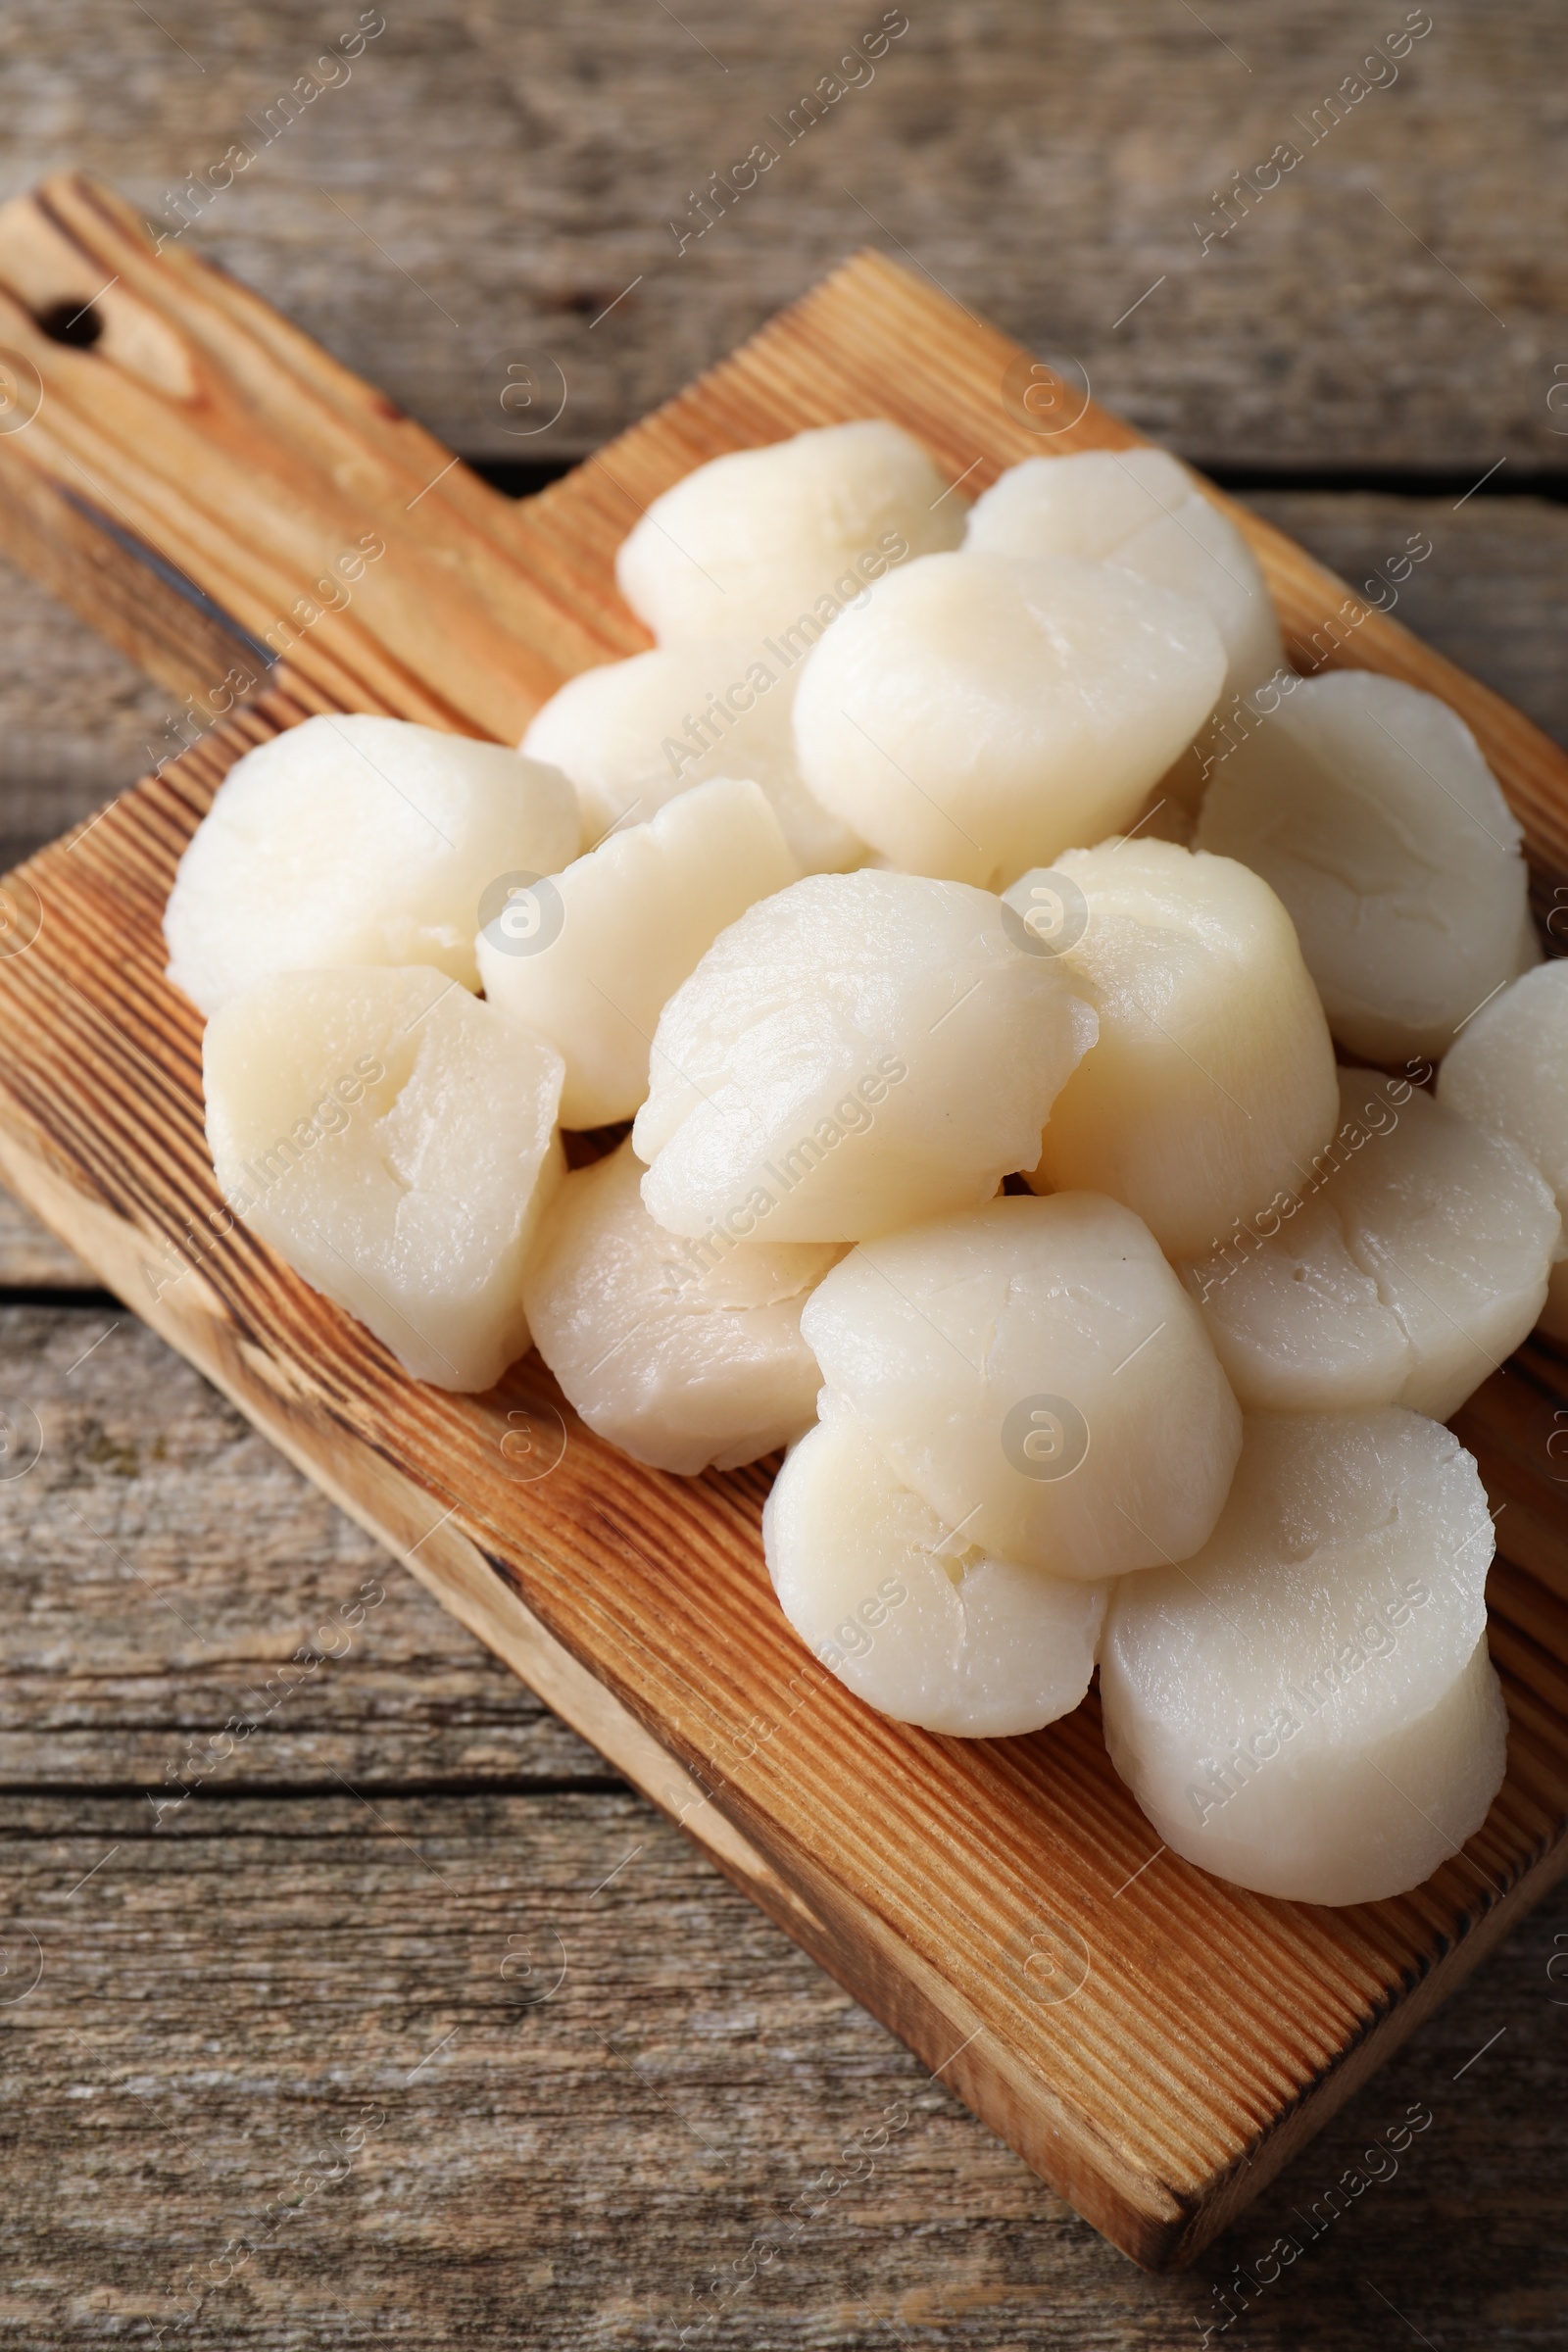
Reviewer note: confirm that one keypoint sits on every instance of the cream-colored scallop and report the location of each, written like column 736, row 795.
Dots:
column 1407, row 1266
column 1306, row 1707
column 1035, row 1371
column 395, row 1141
column 597, row 951
column 1508, row 1073
column 776, row 541
column 357, row 840
column 633, row 734
column 860, row 1051
column 921, row 1626
column 1368, row 806
column 681, row 1354
column 1211, row 1083
column 982, row 714
column 1141, row 508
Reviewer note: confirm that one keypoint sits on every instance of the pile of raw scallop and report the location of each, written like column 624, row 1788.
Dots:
column 963, row 904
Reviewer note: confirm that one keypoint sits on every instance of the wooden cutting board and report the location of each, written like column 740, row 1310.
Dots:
column 269, row 537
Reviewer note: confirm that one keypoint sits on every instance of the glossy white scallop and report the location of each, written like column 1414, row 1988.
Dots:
column 1403, row 1269
column 777, row 541
column 1036, row 1373
column 1211, row 1083
column 1367, row 805
column 1306, row 1707
column 631, row 735
column 858, row 1051
column 1508, row 1073
column 395, row 1141
column 981, row 714
column 921, row 1625
column 357, row 840
column 589, row 957
column 682, row 1354
column 1141, row 508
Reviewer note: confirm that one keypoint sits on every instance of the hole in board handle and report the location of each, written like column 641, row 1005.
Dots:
column 77, row 323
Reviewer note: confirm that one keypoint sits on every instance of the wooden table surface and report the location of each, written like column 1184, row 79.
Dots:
column 357, row 1915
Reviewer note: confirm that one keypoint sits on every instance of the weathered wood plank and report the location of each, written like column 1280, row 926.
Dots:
column 168, row 1573
column 78, row 722
column 31, row 1258
column 503, row 173
column 588, row 2169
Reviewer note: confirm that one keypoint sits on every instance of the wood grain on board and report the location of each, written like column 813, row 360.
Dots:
column 1155, row 2042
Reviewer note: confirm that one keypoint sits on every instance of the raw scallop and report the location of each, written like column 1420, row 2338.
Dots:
column 1412, row 1261
column 922, row 1627
column 776, row 541
column 1211, row 1083
column 1141, row 508
column 1307, row 1706
column 395, row 1141
column 633, row 734
column 1035, row 1371
column 357, row 840
column 680, row 1353
column 1367, row 805
column 858, row 1051
column 1508, row 1072
column 981, row 714
column 605, row 945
